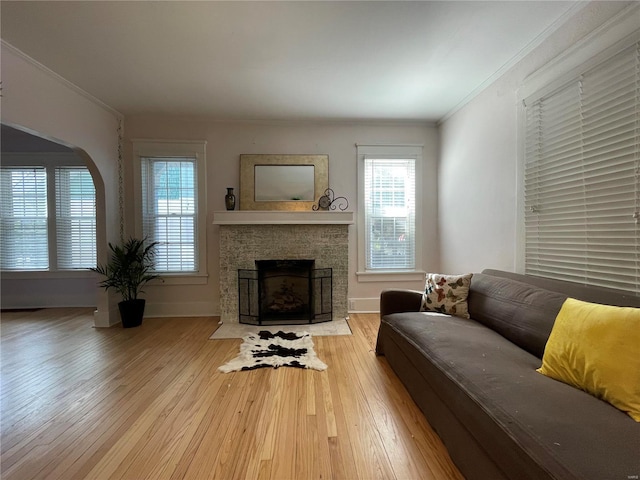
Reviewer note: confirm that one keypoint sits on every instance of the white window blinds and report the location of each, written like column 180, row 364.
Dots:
column 582, row 177
column 389, row 202
column 23, row 212
column 169, row 211
column 75, row 218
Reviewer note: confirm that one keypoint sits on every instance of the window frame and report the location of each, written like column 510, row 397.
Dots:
column 196, row 149
column 389, row 152
column 50, row 161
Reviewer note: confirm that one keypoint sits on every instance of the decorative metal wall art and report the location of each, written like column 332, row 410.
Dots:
column 329, row 201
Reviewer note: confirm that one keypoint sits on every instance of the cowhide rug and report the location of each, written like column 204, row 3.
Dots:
column 266, row 349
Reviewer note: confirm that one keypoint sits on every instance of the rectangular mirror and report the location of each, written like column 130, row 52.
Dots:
column 282, row 182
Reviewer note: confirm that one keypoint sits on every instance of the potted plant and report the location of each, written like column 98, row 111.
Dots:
column 128, row 270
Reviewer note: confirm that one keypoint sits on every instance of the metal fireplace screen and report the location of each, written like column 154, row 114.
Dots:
column 291, row 295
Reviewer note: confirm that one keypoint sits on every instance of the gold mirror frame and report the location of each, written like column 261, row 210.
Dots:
column 248, row 164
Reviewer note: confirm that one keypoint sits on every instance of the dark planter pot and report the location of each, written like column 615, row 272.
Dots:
column 131, row 312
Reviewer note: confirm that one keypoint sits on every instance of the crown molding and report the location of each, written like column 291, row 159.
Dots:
column 526, row 50
column 617, row 33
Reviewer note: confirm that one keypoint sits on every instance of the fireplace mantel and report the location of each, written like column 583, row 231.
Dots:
column 262, row 217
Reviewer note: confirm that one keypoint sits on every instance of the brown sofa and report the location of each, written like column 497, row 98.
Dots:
column 475, row 380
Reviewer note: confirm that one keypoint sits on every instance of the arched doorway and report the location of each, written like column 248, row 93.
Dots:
column 59, row 276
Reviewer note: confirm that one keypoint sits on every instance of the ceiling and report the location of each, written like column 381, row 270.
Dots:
column 306, row 60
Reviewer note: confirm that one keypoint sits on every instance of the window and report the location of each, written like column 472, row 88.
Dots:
column 582, row 176
column 48, row 218
column 389, row 200
column 170, row 178
column 388, row 224
column 169, row 211
column 75, row 218
column 24, row 218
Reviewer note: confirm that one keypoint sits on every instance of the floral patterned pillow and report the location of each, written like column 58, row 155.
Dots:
column 446, row 294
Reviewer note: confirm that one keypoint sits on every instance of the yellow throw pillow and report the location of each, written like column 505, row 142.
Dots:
column 596, row 348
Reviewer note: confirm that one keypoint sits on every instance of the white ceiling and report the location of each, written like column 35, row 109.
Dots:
column 304, row 60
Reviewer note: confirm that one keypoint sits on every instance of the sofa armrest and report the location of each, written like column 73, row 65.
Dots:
column 399, row 300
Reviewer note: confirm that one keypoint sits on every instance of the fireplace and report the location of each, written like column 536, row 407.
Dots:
column 280, row 292
column 247, row 236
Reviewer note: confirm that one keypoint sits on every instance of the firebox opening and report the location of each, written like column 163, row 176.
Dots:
column 285, row 289
column 283, row 292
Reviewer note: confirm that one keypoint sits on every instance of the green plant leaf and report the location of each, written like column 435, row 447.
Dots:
column 129, row 268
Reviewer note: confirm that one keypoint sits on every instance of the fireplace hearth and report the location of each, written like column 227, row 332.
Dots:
column 284, row 292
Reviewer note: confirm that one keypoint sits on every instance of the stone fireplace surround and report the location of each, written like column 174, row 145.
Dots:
column 247, row 236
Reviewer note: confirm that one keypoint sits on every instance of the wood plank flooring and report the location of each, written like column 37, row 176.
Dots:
column 148, row 403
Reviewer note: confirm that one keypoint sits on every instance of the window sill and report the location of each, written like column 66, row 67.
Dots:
column 391, row 276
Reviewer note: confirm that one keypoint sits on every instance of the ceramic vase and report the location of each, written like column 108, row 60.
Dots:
column 230, row 199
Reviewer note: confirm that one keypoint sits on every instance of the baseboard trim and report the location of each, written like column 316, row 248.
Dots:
column 364, row 305
column 181, row 309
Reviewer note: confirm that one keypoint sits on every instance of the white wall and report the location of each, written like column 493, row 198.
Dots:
column 225, row 143
column 39, row 101
column 478, row 159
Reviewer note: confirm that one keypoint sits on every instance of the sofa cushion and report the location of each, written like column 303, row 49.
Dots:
column 522, row 313
column 531, row 426
column 595, row 348
column 587, row 293
column 446, row 294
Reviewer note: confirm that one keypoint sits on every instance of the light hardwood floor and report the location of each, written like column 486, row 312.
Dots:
column 149, row 403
